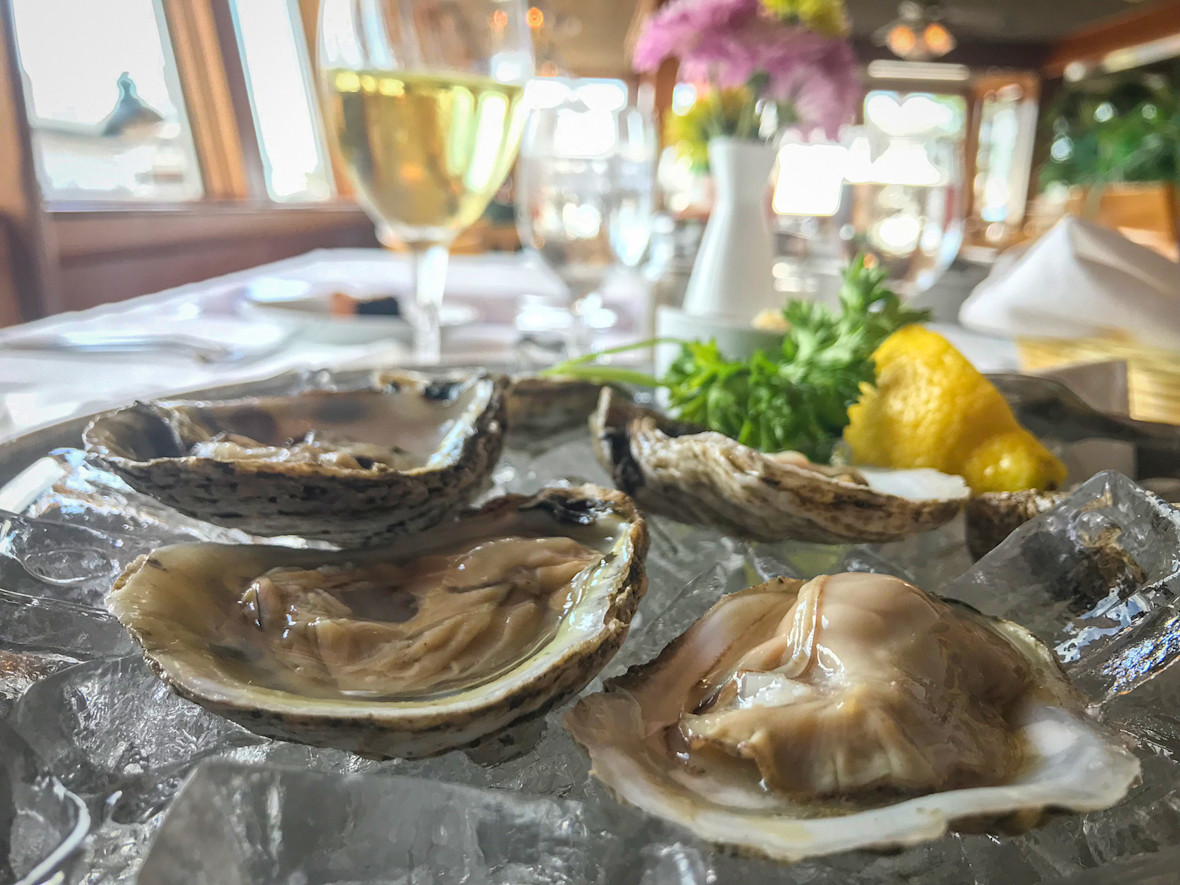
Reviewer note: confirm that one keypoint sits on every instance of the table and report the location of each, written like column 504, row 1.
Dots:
column 41, row 387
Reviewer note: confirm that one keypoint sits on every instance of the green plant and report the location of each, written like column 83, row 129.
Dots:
column 796, row 398
column 1116, row 129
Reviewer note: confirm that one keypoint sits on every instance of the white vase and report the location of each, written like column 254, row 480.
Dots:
column 733, row 274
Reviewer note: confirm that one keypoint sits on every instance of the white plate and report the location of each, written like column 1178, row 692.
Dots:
column 307, row 308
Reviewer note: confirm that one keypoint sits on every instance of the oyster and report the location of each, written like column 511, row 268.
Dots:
column 349, row 467
column 797, row 719
column 993, row 516
column 676, row 469
column 540, row 406
column 428, row 644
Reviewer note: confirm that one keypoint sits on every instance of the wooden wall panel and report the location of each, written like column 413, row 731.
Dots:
column 10, row 301
column 28, row 289
column 1138, row 27
column 108, row 257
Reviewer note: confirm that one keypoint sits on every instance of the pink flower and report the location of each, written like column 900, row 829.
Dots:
column 817, row 76
column 678, row 29
column 734, row 43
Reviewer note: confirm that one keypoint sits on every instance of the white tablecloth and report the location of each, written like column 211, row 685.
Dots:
column 41, row 387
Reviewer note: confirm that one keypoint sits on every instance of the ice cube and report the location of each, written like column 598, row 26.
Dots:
column 1147, row 869
column 241, row 824
column 42, row 825
column 112, row 731
column 1096, row 578
column 1080, row 574
column 93, row 498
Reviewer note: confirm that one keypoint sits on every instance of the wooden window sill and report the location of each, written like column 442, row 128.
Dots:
column 111, row 252
column 94, row 229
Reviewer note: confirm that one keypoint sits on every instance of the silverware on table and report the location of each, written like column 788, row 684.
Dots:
column 200, row 349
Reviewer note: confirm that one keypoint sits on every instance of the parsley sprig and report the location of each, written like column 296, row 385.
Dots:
column 795, row 399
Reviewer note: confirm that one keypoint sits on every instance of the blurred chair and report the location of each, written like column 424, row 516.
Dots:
column 1144, row 213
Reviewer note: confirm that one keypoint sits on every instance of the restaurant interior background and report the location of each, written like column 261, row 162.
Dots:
column 183, row 140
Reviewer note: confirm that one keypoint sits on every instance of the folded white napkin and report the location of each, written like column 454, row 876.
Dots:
column 1080, row 280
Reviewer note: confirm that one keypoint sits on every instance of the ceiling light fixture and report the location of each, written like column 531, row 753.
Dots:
column 882, row 69
column 917, row 34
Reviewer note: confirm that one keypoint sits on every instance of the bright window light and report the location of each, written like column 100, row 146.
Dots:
column 684, row 95
column 105, row 104
column 275, row 56
column 810, row 179
column 603, row 95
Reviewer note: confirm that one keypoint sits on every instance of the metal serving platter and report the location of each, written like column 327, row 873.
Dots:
column 168, row 793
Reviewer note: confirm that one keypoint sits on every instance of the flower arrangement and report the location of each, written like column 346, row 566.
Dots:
column 718, row 112
column 790, row 57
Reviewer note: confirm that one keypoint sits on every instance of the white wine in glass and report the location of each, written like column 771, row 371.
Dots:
column 423, row 99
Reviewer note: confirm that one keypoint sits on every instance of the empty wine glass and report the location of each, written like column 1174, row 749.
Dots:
column 905, row 209
column 424, row 100
column 585, row 185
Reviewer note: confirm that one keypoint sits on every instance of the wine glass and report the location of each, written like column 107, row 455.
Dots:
column 424, row 100
column 904, row 190
column 584, row 194
column 905, row 208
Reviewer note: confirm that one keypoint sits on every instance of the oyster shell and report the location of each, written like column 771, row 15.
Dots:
column 676, row 469
column 542, row 405
column 431, row 643
column 349, row 467
column 993, row 516
column 797, row 719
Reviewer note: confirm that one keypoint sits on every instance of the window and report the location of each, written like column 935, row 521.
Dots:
column 1007, row 127
column 110, row 123
column 916, row 114
column 106, row 85
column 279, row 79
column 595, row 93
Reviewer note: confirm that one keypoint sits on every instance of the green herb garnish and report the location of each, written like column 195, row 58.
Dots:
column 796, row 399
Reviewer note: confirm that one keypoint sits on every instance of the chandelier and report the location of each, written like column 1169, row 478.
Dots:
column 917, row 34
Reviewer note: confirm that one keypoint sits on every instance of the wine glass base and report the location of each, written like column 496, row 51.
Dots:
column 539, row 316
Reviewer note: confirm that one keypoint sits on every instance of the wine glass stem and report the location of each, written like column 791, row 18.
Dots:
column 430, row 278
column 581, row 335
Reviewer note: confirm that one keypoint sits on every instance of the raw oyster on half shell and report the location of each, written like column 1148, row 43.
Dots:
column 430, row 643
column 700, row 476
column 350, row 467
column 797, row 719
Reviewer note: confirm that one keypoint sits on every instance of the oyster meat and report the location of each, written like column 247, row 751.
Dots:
column 701, row 476
column 350, row 467
column 850, row 711
column 413, row 649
